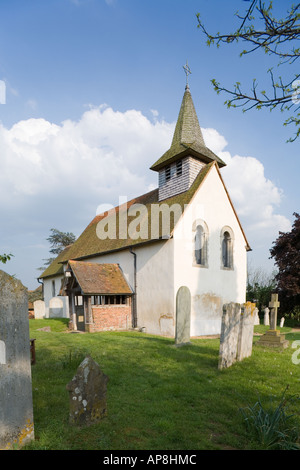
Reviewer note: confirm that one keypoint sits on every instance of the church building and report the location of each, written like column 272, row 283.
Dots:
column 125, row 269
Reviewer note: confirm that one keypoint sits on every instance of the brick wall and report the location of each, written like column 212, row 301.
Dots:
column 110, row 317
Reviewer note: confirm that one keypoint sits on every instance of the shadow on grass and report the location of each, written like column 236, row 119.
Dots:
column 159, row 396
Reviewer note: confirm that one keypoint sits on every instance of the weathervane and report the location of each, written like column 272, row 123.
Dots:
column 187, row 71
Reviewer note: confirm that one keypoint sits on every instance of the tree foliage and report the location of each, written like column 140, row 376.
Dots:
column 260, row 286
column 260, row 30
column 286, row 253
column 58, row 242
column 4, row 258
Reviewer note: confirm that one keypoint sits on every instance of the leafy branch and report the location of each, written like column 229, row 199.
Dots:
column 4, row 258
column 274, row 39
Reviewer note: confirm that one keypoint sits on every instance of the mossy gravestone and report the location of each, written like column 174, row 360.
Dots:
column 16, row 410
column 183, row 316
column 87, row 391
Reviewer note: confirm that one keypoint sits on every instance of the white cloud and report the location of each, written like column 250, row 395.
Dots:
column 104, row 154
column 57, row 175
column 255, row 197
column 108, row 153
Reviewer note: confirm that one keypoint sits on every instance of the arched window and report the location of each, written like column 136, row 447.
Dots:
column 227, row 248
column 200, row 243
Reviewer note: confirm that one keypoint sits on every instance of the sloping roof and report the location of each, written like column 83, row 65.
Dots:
column 56, row 268
column 88, row 244
column 100, row 279
column 187, row 138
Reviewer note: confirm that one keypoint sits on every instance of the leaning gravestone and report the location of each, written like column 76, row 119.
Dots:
column 229, row 334
column 245, row 341
column 183, row 316
column 236, row 337
column 87, row 392
column 16, row 410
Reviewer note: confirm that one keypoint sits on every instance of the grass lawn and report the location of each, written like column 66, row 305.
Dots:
column 159, row 396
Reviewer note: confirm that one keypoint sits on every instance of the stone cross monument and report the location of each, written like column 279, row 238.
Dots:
column 273, row 338
column 274, row 305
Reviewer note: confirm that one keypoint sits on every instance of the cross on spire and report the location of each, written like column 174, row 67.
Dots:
column 187, row 71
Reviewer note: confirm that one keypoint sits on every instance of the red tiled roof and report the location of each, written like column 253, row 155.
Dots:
column 96, row 279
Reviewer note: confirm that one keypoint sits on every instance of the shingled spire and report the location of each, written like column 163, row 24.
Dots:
column 187, row 130
column 188, row 155
column 187, row 138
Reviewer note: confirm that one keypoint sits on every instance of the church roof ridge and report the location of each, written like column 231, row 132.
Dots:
column 89, row 245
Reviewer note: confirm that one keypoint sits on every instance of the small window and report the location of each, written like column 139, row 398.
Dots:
column 53, row 288
column 179, row 168
column 168, row 173
column 200, row 243
column 227, row 248
column 78, row 300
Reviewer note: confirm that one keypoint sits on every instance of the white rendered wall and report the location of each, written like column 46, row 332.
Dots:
column 210, row 286
column 155, row 277
column 155, row 285
column 48, row 296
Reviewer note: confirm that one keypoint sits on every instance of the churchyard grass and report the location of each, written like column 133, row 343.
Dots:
column 159, row 396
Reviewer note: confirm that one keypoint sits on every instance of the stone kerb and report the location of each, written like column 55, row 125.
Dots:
column 16, row 410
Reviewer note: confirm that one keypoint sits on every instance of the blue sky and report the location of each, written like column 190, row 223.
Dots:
column 93, row 90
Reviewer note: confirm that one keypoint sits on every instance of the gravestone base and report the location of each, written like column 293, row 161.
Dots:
column 178, row 345
column 273, row 339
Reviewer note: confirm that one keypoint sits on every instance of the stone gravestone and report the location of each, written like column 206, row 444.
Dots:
column 87, row 392
column 273, row 338
column 236, row 337
column 183, row 316
column 245, row 340
column 16, row 410
column 281, row 322
column 266, row 316
column 229, row 334
column 274, row 304
column 56, row 308
column 256, row 316
column 39, row 309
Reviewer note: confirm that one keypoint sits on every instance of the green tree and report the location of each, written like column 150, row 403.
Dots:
column 286, row 253
column 277, row 37
column 260, row 286
column 4, row 258
column 58, row 242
